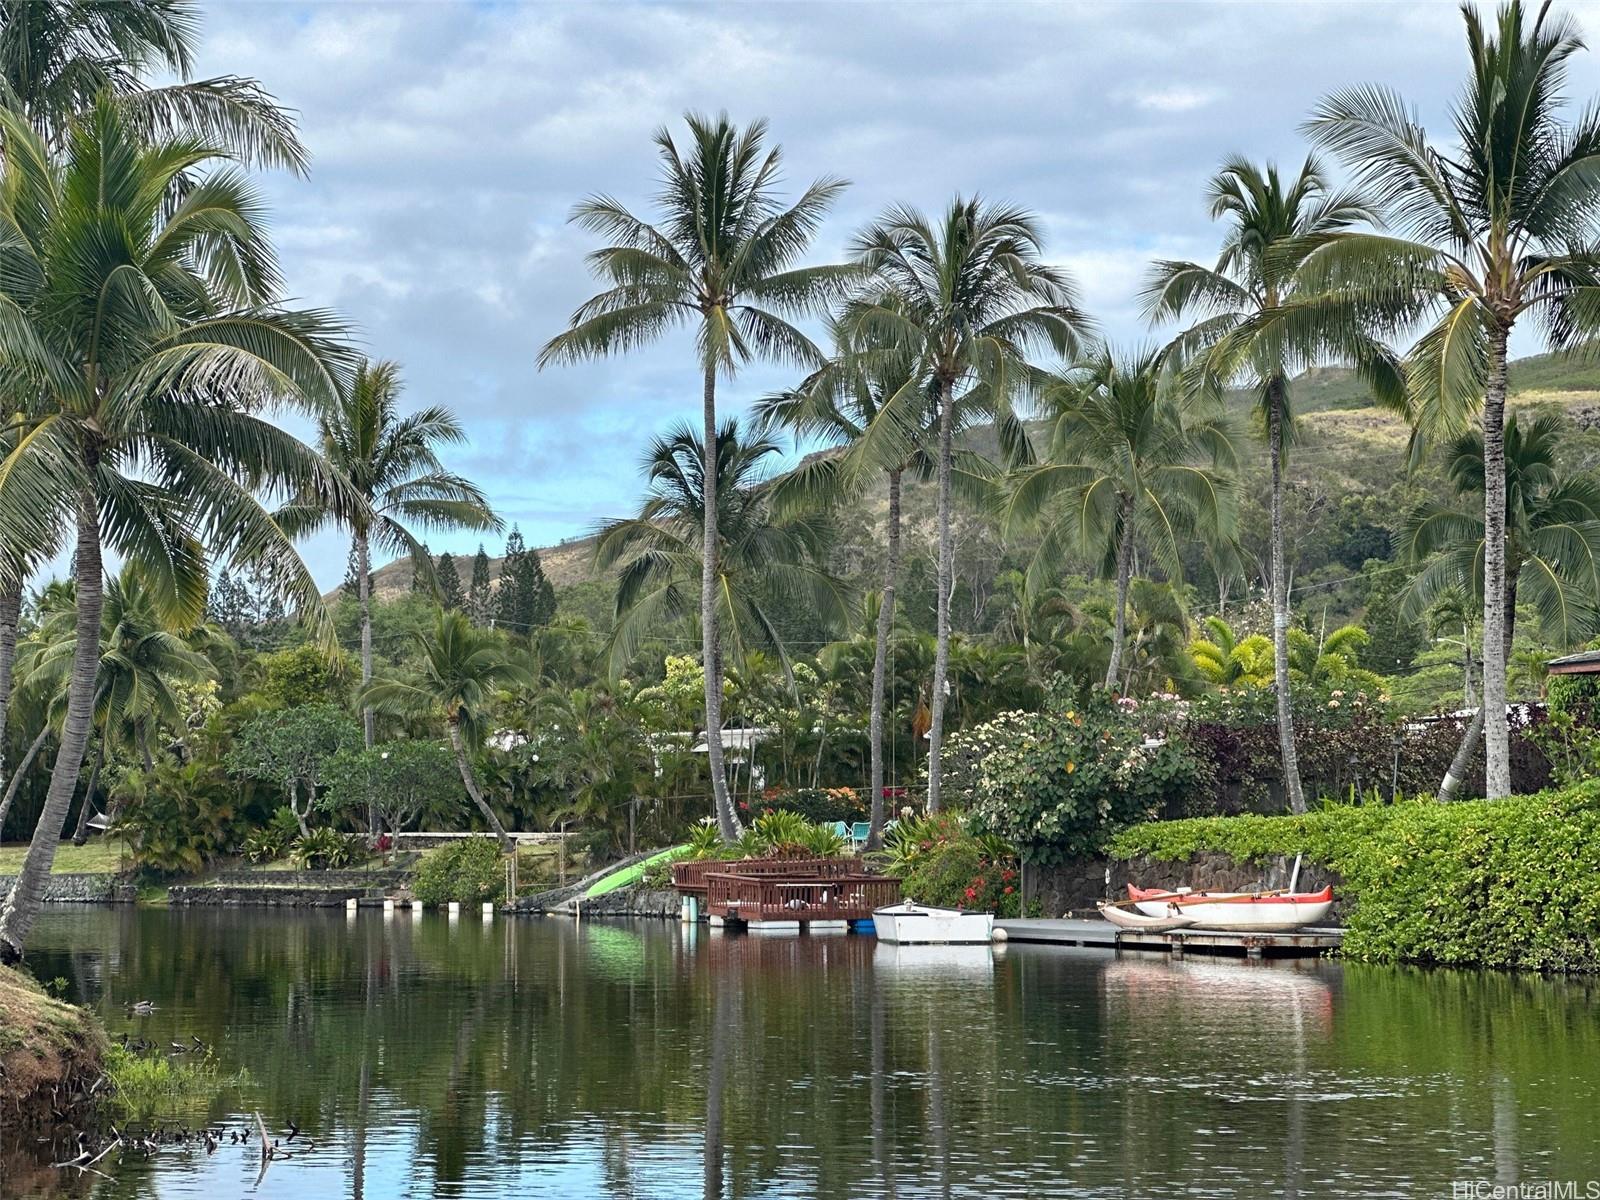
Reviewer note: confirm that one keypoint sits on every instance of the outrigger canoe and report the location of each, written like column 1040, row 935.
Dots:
column 1125, row 918
column 1236, row 911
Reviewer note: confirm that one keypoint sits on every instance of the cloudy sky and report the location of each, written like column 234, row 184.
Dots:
column 450, row 140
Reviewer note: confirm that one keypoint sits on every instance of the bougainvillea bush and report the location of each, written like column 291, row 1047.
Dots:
column 1057, row 783
column 941, row 861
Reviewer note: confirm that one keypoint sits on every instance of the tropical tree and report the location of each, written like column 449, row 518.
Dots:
column 1228, row 660
column 140, row 341
column 721, row 257
column 836, row 407
column 1252, row 331
column 57, row 57
column 142, row 662
column 969, row 297
column 1552, row 524
column 1333, row 659
column 389, row 466
column 1499, row 225
column 463, row 669
column 1126, row 465
column 761, row 556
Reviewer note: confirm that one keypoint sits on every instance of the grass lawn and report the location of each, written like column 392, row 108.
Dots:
column 98, row 857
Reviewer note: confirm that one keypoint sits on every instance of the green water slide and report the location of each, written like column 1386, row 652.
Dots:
column 631, row 875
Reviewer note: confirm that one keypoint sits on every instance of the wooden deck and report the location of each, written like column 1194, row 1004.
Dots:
column 734, row 896
column 692, row 878
column 1068, row 932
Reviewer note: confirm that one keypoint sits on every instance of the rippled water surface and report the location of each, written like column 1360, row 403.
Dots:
column 533, row 1058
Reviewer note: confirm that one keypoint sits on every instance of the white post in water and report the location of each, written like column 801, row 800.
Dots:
column 350, row 904
column 388, row 907
column 488, row 910
column 454, row 909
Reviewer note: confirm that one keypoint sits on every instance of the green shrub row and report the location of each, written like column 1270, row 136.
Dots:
column 1494, row 883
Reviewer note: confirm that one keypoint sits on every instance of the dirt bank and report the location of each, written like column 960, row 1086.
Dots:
column 50, row 1057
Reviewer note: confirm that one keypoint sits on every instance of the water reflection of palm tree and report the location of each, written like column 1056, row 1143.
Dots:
column 722, row 1033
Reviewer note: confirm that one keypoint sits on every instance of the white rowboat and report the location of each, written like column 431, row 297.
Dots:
column 911, row 923
column 1124, row 918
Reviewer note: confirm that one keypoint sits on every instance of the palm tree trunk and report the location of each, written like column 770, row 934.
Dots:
column 880, row 662
column 471, row 781
column 1280, row 602
column 80, row 835
column 143, row 733
column 364, row 595
column 941, row 651
column 28, row 894
column 1497, row 738
column 10, row 613
column 21, row 771
column 727, row 822
column 1456, row 773
column 1119, row 630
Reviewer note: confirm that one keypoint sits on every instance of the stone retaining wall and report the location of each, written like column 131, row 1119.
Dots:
column 385, row 877
column 269, row 897
column 79, row 888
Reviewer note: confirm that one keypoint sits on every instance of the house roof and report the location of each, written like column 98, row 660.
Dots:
column 1585, row 663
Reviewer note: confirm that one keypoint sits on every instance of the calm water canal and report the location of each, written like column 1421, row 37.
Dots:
column 533, row 1058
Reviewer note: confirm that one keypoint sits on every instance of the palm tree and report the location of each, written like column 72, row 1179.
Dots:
column 1251, row 333
column 1228, row 660
column 760, row 555
column 1125, row 465
column 1499, row 225
column 389, row 464
column 1552, row 523
column 463, row 667
column 140, row 336
column 57, row 57
column 970, row 298
column 721, row 257
column 140, row 661
column 836, row 407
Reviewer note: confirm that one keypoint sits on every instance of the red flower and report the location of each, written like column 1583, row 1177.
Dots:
column 971, row 894
column 1009, row 891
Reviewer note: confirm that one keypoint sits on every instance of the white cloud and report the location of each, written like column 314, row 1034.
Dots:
column 1176, row 99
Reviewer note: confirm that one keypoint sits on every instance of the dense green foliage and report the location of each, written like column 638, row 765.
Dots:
column 470, row 871
column 1507, row 883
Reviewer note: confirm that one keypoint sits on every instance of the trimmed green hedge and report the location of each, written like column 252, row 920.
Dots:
column 1511, row 883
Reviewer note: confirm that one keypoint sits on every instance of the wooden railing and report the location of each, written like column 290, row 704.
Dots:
column 768, row 897
column 691, row 876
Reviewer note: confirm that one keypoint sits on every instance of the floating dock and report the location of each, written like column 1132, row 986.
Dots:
column 1303, row 943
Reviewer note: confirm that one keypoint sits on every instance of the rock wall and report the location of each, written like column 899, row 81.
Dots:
column 383, row 877
column 269, row 897
column 1074, row 886
column 633, row 902
column 79, row 888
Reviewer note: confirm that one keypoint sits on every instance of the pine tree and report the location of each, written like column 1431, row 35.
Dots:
column 508, row 606
column 538, row 596
column 352, row 583
column 480, row 595
column 225, row 604
column 449, row 583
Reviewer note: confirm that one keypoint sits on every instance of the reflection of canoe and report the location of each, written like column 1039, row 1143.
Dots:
column 1238, row 911
column 1125, row 918
column 919, row 923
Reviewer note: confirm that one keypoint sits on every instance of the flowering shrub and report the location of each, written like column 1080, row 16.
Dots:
column 941, row 862
column 1057, row 783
